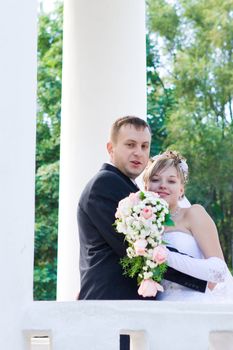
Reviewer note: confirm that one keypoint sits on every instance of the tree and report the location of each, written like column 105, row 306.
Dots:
column 198, row 42
column 47, row 153
column 160, row 99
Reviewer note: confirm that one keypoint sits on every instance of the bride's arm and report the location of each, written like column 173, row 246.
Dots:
column 205, row 224
column 213, row 268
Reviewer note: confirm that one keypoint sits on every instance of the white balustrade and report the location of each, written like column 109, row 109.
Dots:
column 152, row 325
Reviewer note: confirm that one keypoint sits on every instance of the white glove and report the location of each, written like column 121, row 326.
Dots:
column 211, row 270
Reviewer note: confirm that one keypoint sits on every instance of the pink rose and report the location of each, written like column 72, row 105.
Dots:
column 140, row 246
column 149, row 288
column 147, row 212
column 160, row 254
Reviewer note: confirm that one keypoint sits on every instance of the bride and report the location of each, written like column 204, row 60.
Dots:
column 194, row 234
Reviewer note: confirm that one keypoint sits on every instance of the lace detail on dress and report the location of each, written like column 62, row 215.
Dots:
column 218, row 275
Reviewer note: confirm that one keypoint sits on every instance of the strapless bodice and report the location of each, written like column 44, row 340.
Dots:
column 183, row 242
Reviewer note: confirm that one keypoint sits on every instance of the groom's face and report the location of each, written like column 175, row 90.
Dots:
column 130, row 151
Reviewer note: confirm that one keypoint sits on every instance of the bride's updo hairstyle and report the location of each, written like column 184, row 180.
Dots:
column 164, row 161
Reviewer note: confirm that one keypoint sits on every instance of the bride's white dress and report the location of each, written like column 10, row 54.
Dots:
column 186, row 243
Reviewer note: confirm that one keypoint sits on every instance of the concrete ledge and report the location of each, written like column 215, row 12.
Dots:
column 97, row 324
column 220, row 340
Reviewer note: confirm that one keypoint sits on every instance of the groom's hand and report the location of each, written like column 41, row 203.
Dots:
column 176, row 251
column 172, row 249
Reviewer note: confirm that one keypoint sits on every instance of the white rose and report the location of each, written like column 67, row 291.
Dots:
column 151, row 241
column 130, row 252
column 129, row 220
column 136, row 224
column 147, row 275
column 121, row 227
column 130, row 232
column 150, row 253
column 137, row 210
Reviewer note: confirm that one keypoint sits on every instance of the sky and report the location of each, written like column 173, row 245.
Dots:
column 47, row 5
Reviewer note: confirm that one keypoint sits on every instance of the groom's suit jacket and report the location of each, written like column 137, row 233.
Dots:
column 101, row 247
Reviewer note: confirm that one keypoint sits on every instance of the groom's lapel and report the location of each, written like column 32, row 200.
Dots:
column 115, row 170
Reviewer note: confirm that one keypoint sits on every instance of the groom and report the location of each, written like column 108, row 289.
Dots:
column 101, row 247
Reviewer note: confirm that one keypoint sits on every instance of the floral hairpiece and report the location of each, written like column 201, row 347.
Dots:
column 184, row 168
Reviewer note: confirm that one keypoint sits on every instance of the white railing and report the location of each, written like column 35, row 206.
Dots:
column 151, row 325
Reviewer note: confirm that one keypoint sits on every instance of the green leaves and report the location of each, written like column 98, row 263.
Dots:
column 132, row 266
column 47, row 153
column 160, row 99
column 159, row 271
column 168, row 220
column 142, row 195
column 164, row 18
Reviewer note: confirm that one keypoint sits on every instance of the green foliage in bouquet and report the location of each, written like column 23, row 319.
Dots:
column 132, row 266
column 159, row 272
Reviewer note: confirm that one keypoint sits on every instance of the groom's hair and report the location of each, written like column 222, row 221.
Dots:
column 138, row 123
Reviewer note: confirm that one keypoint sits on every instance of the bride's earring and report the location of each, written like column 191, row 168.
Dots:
column 181, row 197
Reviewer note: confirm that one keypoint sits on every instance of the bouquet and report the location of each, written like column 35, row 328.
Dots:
column 141, row 218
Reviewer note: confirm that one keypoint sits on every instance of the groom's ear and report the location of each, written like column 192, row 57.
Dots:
column 109, row 147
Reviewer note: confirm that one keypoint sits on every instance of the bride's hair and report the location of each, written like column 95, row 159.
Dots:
column 164, row 161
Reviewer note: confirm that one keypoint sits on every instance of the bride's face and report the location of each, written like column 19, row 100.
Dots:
column 168, row 185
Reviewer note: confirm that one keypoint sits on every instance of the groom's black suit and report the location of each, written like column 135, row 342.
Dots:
column 101, row 246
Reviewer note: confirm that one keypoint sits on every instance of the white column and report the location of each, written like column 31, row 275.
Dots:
column 18, row 60
column 104, row 77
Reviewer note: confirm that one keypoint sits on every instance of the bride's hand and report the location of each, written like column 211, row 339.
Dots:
column 211, row 285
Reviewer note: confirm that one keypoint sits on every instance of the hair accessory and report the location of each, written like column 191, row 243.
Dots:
column 184, row 167
column 156, row 157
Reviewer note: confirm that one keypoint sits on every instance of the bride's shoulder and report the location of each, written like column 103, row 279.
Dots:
column 195, row 211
